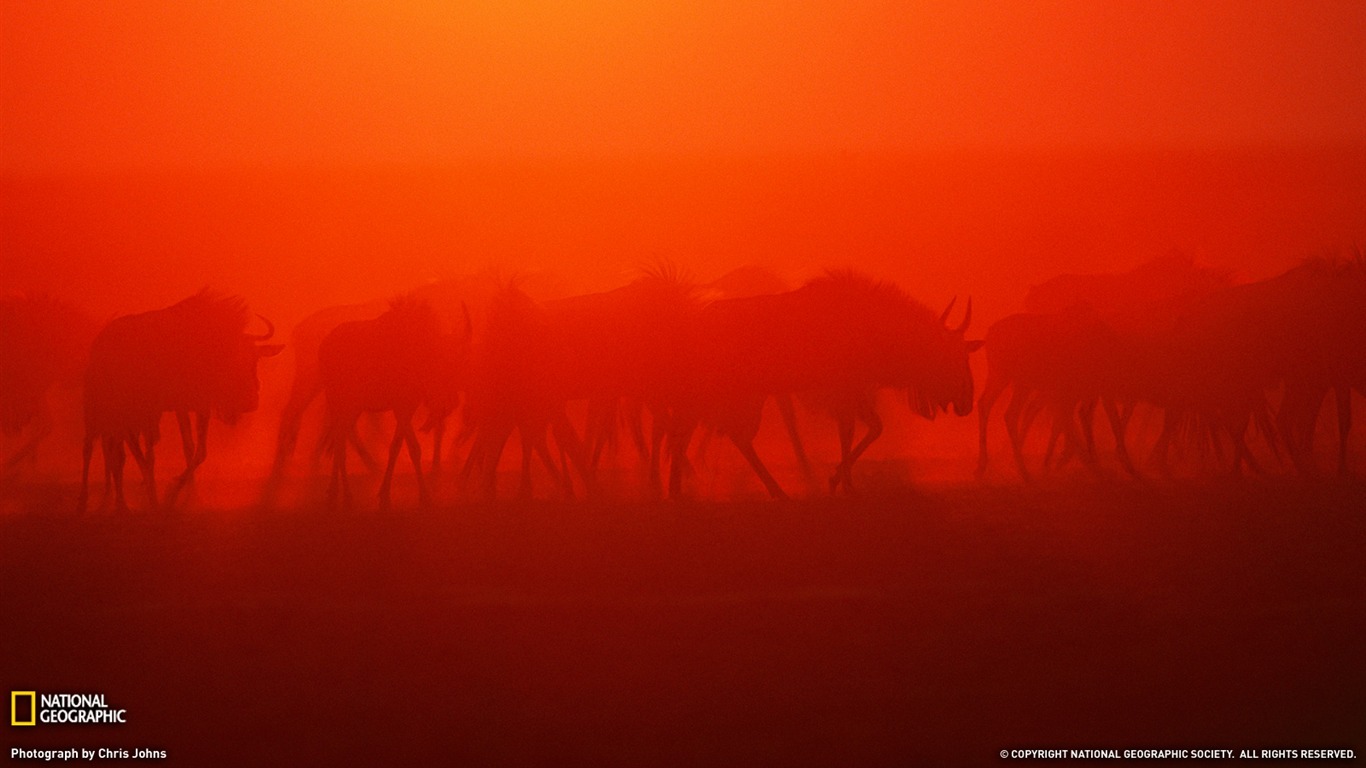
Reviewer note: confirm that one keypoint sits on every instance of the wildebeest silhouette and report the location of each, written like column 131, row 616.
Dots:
column 514, row 388
column 842, row 335
column 194, row 357
column 604, row 348
column 1065, row 362
column 1229, row 349
column 1150, row 294
column 457, row 301
column 44, row 342
column 1087, row 340
column 1326, row 312
column 742, row 283
column 395, row 363
column 304, row 341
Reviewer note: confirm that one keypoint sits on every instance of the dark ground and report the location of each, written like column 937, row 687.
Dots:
column 935, row 627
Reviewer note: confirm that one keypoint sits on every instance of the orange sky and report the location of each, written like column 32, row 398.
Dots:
column 253, row 145
column 317, row 152
column 193, row 84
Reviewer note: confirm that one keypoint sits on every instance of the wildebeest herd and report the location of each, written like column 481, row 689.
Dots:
column 665, row 364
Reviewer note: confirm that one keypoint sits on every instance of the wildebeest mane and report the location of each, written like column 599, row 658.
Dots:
column 414, row 312
column 211, row 313
column 873, row 297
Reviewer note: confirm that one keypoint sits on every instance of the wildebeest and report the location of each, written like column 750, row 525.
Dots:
column 1150, row 294
column 604, row 348
column 1302, row 331
column 395, row 363
column 743, row 283
column 842, row 335
column 194, row 357
column 1065, row 360
column 1321, row 308
column 1208, row 354
column 455, row 300
column 304, row 341
column 44, row 342
column 1088, row 340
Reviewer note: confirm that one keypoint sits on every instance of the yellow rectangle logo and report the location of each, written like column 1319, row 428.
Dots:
column 14, row 698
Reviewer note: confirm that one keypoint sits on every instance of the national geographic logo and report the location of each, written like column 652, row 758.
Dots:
column 32, row 708
column 23, row 708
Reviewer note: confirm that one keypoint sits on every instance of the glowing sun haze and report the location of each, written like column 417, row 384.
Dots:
column 173, row 84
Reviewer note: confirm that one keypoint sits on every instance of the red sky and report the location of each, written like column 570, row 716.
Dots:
column 192, row 84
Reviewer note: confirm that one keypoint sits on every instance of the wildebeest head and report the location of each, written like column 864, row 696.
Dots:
column 238, row 386
column 947, row 378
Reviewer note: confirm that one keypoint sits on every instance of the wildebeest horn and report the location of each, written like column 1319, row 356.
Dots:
column 270, row 330
column 944, row 318
column 967, row 318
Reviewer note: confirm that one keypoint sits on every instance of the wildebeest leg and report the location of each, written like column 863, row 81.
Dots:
column 568, row 440
column 114, row 461
column 1034, row 404
column 1119, row 425
column 868, row 413
column 339, row 489
column 201, row 451
column 353, row 437
column 108, row 477
column 635, row 424
column 1260, row 414
column 788, row 410
column 366, row 458
column 704, row 444
column 1237, row 428
column 844, row 422
column 403, row 434
column 746, row 446
column 1297, row 419
column 1344, row 403
column 29, row 450
column 182, row 419
column 559, row 475
column 87, row 451
column 598, row 428
column 184, row 477
column 659, row 425
column 529, row 437
column 680, row 431
column 486, row 454
column 41, row 428
column 146, row 459
column 993, row 389
column 471, row 460
column 1054, row 435
column 437, row 422
column 394, row 446
column 195, row 448
column 415, row 455
column 493, row 456
column 1012, row 418
column 741, row 426
column 1087, row 416
column 524, row 489
column 568, row 484
column 1062, row 430
column 1171, row 422
column 304, row 389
